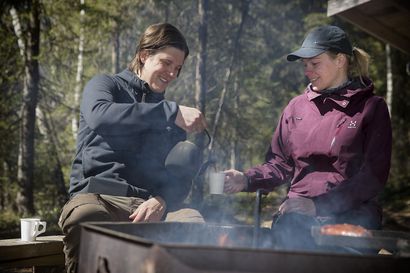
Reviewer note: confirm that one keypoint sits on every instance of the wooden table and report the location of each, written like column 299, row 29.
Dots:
column 45, row 251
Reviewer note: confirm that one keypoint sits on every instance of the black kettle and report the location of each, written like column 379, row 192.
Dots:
column 184, row 161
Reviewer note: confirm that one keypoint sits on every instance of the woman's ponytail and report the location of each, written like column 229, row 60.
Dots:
column 359, row 63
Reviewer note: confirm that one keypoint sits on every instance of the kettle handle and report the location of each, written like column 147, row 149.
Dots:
column 209, row 138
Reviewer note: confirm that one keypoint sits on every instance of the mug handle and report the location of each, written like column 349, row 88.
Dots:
column 39, row 231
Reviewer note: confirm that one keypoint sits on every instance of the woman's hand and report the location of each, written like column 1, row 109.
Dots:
column 190, row 119
column 235, row 181
column 300, row 205
column 151, row 210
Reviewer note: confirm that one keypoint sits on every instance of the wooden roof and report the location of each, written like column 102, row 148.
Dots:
column 388, row 20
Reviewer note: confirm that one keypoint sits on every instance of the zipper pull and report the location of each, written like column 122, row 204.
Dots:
column 341, row 122
column 337, row 132
column 333, row 142
column 143, row 97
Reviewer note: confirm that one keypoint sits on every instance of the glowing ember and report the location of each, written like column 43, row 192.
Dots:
column 223, row 240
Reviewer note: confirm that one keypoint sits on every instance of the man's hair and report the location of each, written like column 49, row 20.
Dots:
column 155, row 38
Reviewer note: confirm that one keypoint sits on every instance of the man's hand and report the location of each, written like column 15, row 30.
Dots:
column 300, row 205
column 151, row 210
column 235, row 181
column 190, row 119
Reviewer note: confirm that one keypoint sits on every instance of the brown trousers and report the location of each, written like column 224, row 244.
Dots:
column 95, row 207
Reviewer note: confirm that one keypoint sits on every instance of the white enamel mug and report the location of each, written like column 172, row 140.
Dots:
column 216, row 182
column 31, row 228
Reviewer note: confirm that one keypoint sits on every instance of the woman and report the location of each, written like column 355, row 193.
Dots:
column 332, row 143
column 126, row 130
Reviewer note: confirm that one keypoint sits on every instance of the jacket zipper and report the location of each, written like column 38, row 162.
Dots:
column 338, row 127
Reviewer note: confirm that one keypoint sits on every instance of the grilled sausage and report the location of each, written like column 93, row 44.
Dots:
column 345, row 230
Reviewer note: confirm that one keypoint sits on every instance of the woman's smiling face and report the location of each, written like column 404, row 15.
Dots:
column 161, row 68
column 324, row 71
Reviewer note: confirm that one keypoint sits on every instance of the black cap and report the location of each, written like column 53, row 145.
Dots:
column 321, row 39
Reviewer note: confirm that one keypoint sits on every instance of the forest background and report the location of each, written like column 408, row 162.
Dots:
column 237, row 74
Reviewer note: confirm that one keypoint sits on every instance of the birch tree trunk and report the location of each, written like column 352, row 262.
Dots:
column 234, row 140
column 79, row 74
column 200, row 87
column 200, row 72
column 115, row 52
column 235, row 50
column 389, row 77
column 30, row 50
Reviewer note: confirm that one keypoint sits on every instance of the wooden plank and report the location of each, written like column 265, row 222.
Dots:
column 49, row 260
column 377, row 29
column 387, row 20
column 337, row 6
column 45, row 247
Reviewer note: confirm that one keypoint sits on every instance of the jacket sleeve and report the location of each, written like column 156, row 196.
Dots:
column 373, row 173
column 278, row 167
column 106, row 117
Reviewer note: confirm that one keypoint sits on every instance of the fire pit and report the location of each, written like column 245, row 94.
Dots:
column 193, row 247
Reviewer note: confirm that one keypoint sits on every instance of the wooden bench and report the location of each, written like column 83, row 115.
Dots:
column 45, row 251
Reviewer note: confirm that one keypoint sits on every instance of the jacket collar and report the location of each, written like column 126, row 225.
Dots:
column 138, row 85
column 342, row 95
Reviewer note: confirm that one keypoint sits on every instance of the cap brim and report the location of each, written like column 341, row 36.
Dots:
column 304, row 52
